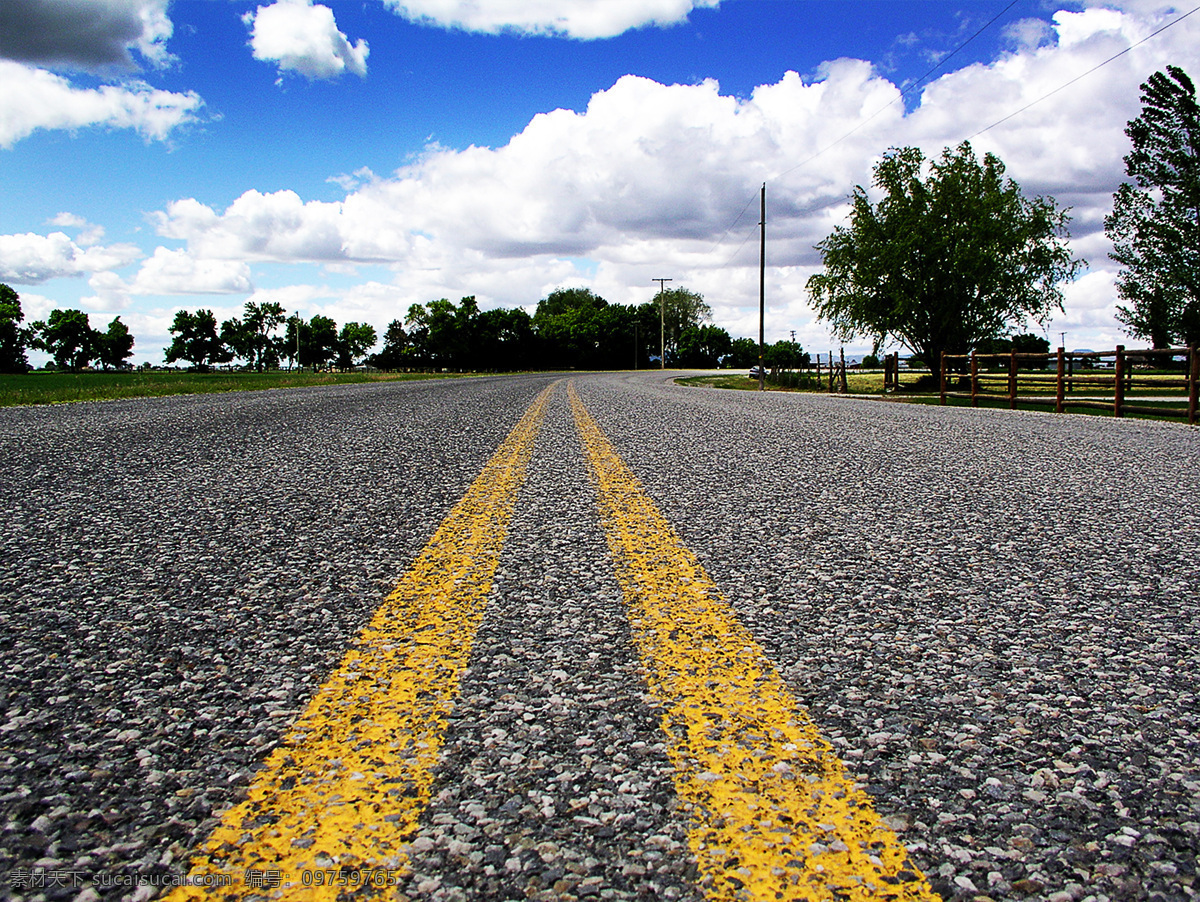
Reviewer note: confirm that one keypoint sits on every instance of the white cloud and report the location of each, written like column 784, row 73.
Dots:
column 36, row 99
column 87, row 34
column 584, row 19
column 170, row 272
column 30, row 259
column 89, row 233
column 302, row 38
column 649, row 179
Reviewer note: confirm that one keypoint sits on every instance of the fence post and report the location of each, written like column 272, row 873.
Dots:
column 1119, row 383
column 1012, row 380
column 1193, row 383
column 974, row 379
column 1058, row 397
column 845, row 384
column 943, row 378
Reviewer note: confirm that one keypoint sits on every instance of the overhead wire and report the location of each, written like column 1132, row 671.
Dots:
column 912, row 87
column 1068, row 84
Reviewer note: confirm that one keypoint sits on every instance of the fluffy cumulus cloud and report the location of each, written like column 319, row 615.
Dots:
column 303, row 38
column 30, row 259
column 35, row 99
column 85, row 34
column 584, row 19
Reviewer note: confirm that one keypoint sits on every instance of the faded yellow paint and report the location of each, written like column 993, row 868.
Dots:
column 333, row 808
column 773, row 813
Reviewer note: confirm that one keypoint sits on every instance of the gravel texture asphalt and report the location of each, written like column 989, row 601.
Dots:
column 991, row 615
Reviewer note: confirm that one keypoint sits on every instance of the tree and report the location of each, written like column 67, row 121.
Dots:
column 115, row 345
column 319, row 342
column 704, row 346
column 238, row 339
column 786, row 355
column 682, row 310
column 67, row 337
column 259, row 322
column 196, row 340
column 943, row 261
column 395, row 348
column 13, row 338
column 1155, row 223
column 354, row 341
column 743, row 353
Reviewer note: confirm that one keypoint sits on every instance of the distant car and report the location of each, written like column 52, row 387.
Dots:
column 757, row 372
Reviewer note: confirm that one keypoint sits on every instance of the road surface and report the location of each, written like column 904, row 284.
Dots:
column 595, row 637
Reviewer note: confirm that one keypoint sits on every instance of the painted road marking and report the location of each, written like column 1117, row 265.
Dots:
column 774, row 815
column 334, row 806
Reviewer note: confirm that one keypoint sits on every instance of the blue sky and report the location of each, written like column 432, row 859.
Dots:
column 352, row 158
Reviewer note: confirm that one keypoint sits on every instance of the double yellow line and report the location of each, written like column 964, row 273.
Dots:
column 772, row 813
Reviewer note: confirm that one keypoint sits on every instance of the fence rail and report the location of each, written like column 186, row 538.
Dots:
column 1064, row 379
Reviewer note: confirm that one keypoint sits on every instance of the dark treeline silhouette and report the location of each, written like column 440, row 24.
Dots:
column 571, row 328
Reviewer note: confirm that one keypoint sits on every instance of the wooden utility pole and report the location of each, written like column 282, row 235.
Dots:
column 662, row 322
column 762, row 283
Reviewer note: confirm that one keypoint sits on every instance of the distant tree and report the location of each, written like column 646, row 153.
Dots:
column 683, row 309
column 744, row 353
column 319, row 342
column 505, row 341
column 943, row 261
column 115, row 345
column 238, row 339
column 395, row 346
column 1155, row 224
column 1026, row 343
column 870, row 362
column 704, row 346
column 13, row 337
column 68, row 338
column 354, row 340
column 259, row 323
column 196, row 340
column 568, row 323
column 785, row 355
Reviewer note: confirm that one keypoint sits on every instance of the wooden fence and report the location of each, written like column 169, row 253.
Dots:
column 983, row 381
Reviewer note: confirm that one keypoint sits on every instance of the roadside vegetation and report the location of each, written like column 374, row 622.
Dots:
column 60, row 388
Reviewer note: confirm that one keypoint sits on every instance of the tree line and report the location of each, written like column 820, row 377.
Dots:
column 570, row 328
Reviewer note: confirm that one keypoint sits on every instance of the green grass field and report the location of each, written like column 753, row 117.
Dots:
column 60, row 388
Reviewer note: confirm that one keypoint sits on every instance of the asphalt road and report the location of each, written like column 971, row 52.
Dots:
column 990, row 616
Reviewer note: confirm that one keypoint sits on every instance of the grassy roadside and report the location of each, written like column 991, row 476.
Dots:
column 60, row 388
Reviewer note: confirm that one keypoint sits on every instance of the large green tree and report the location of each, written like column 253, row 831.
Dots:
column 1155, row 222
column 951, row 254
column 67, row 336
column 196, row 340
column 114, row 346
column 259, row 323
column 354, row 340
column 679, row 309
column 13, row 337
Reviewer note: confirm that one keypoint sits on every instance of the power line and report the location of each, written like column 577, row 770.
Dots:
column 916, row 84
column 1085, row 74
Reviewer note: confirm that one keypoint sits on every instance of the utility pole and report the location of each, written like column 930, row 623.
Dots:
column 662, row 322
column 762, row 284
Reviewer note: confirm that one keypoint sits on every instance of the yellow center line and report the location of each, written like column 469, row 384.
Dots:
column 334, row 806
column 774, row 815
